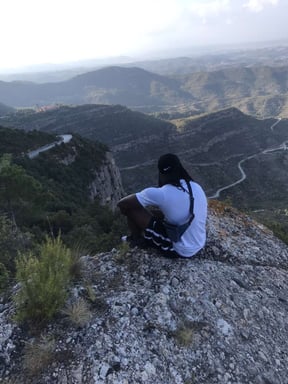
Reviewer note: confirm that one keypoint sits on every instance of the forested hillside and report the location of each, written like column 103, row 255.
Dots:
column 52, row 194
column 112, row 125
column 5, row 109
column 137, row 140
column 211, row 147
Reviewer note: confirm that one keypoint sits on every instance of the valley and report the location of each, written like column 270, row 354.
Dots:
column 92, row 94
column 224, row 117
column 211, row 146
column 281, row 147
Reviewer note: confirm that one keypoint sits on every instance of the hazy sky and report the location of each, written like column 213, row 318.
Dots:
column 54, row 31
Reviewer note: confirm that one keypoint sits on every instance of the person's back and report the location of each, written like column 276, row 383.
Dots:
column 194, row 238
column 174, row 203
column 174, row 199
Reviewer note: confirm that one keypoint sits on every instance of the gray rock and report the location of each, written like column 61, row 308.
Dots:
column 220, row 317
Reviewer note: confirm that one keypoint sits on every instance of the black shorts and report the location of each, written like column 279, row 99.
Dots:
column 156, row 237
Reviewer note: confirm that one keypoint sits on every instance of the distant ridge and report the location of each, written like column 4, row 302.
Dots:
column 112, row 85
column 109, row 124
column 120, row 77
column 259, row 91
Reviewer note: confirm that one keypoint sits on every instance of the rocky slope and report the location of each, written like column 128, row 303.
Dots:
column 107, row 185
column 218, row 318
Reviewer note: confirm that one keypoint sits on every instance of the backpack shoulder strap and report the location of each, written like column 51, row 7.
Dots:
column 191, row 201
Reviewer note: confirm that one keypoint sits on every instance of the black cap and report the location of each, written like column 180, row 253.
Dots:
column 168, row 164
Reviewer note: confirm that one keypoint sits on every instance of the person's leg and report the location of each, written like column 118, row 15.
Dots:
column 156, row 236
column 137, row 221
column 138, row 218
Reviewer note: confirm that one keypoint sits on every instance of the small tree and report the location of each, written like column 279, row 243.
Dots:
column 16, row 186
column 43, row 281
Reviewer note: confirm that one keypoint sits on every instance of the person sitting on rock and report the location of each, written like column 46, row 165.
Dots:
column 171, row 217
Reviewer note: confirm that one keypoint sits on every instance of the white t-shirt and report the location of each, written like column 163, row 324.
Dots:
column 175, row 205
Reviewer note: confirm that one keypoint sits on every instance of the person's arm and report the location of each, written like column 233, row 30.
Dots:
column 138, row 217
column 155, row 211
column 129, row 203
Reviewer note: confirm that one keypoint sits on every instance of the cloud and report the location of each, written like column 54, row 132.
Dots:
column 36, row 31
column 258, row 5
column 212, row 7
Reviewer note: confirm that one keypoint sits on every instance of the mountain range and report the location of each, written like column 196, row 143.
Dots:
column 260, row 91
column 211, row 147
column 216, row 112
column 231, row 326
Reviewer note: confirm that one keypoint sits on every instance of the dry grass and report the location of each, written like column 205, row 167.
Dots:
column 77, row 269
column 90, row 293
column 38, row 355
column 121, row 256
column 187, row 330
column 78, row 313
column 220, row 207
column 184, row 335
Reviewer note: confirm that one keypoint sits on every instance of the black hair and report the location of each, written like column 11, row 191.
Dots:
column 171, row 171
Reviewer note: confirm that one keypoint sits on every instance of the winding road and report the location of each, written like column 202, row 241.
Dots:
column 282, row 146
column 63, row 139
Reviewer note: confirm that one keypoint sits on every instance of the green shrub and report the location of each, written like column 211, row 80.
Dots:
column 43, row 281
column 12, row 240
column 121, row 255
column 280, row 230
column 3, row 277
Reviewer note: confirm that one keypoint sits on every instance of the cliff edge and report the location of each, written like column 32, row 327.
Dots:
column 220, row 317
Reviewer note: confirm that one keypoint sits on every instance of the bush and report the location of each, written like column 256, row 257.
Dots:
column 12, row 240
column 3, row 277
column 38, row 354
column 43, row 281
column 280, row 230
column 78, row 312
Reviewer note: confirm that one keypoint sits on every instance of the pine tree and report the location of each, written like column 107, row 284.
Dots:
column 16, row 187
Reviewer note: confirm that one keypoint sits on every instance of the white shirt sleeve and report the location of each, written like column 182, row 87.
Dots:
column 151, row 196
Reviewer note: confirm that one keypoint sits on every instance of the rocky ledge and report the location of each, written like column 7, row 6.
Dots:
column 220, row 317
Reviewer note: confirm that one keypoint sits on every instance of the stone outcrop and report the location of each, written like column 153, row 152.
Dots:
column 220, row 317
column 107, row 185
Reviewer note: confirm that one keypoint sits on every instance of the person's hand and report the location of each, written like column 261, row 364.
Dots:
column 155, row 211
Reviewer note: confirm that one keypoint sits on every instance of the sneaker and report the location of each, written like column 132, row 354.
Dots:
column 133, row 242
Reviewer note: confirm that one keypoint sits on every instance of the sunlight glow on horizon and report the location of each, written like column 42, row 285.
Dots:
column 39, row 32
